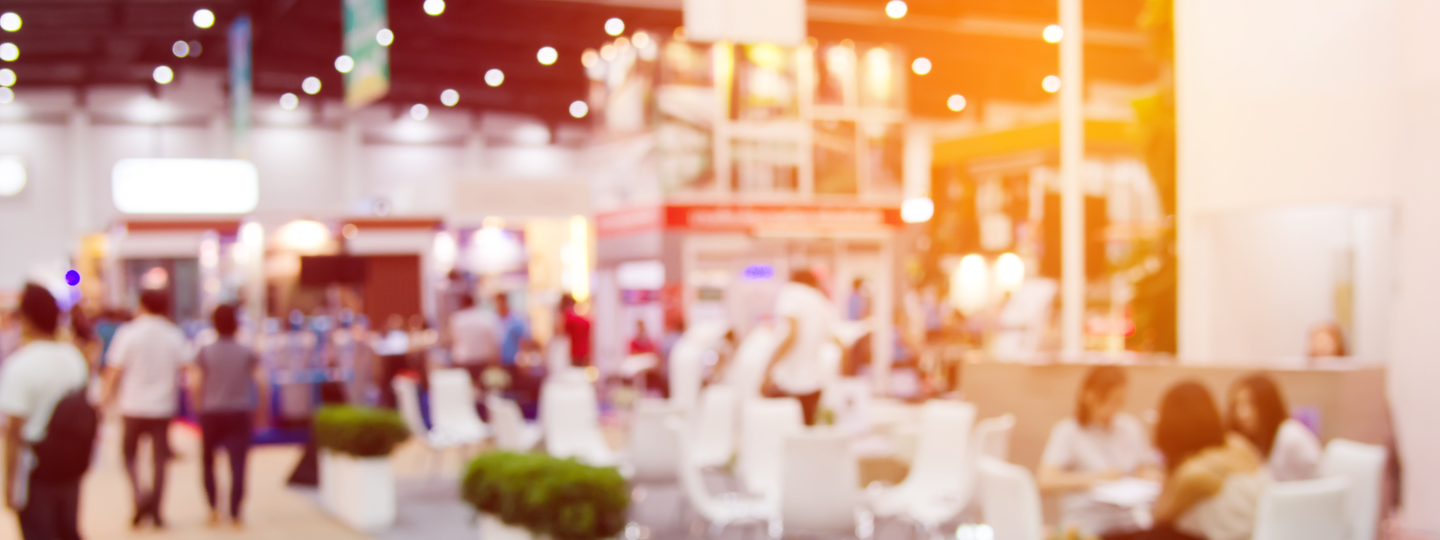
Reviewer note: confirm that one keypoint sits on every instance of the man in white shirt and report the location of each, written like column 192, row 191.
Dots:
column 475, row 335
column 809, row 323
column 144, row 364
column 33, row 380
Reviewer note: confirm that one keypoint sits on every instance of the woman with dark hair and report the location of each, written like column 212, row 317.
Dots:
column 1257, row 410
column 1099, row 444
column 227, row 381
column 1213, row 479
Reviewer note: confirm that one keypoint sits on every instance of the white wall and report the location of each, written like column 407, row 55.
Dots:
column 1295, row 103
column 31, row 232
column 1270, row 275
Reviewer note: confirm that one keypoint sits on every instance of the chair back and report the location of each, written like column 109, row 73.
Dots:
column 1363, row 465
column 1009, row 501
column 570, row 420
column 992, row 437
column 714, row 426
column 654, row 448
column 939, row 467
column 452, row 406
column 820, row 483
column 1308, row 510
column 407, row 398
column 507, row 422
column 684, row 368
column 764, row 425
column 692, row 479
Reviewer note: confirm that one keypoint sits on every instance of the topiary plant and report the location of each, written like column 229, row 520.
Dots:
column 359, row 431
column 563, row 499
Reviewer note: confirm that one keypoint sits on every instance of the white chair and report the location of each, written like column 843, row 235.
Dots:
column 763, row 428
column 508, row 423
column 571, row 423
column 714, row 427
column 407, row 397
column 992, row 437
column 939, row 470
column 685, row 368
column 1305, row 510
column 819, row 486
column 452, row 407
column 1010, row 501
column 1363, row 465
column 653, row 452
column 721, row 512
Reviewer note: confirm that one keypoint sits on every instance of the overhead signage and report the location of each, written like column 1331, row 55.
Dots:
column 745, row 217
column 369, row 79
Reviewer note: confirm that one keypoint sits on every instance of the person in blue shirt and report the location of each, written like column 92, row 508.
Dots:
column 514, row 331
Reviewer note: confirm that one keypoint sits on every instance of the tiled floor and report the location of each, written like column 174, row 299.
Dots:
column 272, row 511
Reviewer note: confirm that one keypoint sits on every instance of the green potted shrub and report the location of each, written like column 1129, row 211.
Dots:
column 527, row 496
column 357, row 482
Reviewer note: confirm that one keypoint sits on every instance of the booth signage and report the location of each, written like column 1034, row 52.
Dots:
column 744, row 217
column 369, row 79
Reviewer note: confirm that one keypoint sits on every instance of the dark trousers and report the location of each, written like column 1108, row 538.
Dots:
column 390, row 366
column 232, row 432
column 52, row 511
column 809, row 405
column 147, row 502
column 1159, row 532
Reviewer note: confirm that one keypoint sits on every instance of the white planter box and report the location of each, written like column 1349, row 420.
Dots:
column 359, row 491
column 491, row 528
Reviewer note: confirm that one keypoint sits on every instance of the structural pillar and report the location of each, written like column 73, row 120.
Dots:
column 1072, row 195
column 80, row 189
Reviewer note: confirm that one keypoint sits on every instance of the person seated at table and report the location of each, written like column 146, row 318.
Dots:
column 1214, row 479
column 1257, row 410
column 1099, row 444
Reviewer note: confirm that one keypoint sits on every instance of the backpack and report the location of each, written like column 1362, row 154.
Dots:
column 64, row 454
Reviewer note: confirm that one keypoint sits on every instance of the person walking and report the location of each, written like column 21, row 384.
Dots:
column 142, row 380
column 809, row 320
column 475, row 338
column 227, row 380
column 577, row 328
column 48, row 436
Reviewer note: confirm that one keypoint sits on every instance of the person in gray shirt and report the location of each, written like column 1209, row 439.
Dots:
column 227, row 381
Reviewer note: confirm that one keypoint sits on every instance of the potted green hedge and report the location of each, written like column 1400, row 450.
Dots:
column 357, row 483
column 533, row 495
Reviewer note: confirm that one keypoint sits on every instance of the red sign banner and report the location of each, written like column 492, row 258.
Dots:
column 745, row 217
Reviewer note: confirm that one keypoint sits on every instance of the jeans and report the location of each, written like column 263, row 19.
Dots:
column 147, row 503
column 232, row 432
column 51, row 512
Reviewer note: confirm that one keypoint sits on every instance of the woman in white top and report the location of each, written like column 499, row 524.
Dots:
column 1099, row 444
column 1257, row 411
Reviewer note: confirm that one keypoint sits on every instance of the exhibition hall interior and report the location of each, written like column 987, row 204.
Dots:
column 720, row 269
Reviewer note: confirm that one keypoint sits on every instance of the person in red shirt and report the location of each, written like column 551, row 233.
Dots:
column 641, row 343
column 577, row 327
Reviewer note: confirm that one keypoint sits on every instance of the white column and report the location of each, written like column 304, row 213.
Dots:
column 81, row 188
column 917, row 157
column 882, row 312
column 220, row 147
column 352, row 148
column 1072, row 159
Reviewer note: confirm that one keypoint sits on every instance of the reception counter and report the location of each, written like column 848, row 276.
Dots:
column 1349, row 402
